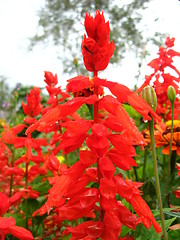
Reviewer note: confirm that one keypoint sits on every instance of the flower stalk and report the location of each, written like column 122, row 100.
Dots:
column 12, row 165
column 149, row 95
column 155, row 167
column 171, row 93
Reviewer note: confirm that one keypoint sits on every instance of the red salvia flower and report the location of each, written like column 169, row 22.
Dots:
column 33, row 106
column 160, row 79
column 50, row 79
column 96, row 49
column 89, row 187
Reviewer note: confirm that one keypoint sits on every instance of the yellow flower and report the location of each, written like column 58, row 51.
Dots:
column 60, row 158
column 2, row 122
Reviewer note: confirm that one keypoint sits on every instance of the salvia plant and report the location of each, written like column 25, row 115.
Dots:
column 66, row 170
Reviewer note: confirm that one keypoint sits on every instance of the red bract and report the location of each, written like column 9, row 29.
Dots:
column 33, row 106
column 97, row 28
column 96, row 58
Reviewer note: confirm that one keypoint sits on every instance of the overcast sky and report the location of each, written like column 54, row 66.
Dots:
column 18, row 21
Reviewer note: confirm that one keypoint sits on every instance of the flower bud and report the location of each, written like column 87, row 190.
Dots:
column 171, row 93
column 149, row 95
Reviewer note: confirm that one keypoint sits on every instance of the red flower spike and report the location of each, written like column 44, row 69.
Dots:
column 96, row 49
column 160, row 81
column 169, row 42
column 50, row 79
column 33, row 106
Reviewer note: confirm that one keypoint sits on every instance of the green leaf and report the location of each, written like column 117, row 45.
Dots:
column 125, row 230
column 173, row 235
column 143, row 233
column 173, row 214
column 32, row 206
column 168, row 222
column 41, row 187
column 18, row 217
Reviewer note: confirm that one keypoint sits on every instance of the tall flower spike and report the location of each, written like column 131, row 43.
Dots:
column 96, row 48
column 33, row 106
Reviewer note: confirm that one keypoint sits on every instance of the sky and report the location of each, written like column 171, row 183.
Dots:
column 19, row 21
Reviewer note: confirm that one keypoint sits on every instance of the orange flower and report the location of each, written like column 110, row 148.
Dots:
column 163, row 135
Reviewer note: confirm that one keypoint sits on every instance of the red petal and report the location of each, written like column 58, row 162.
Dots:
column 106, row 167
column 5, row 223
column 87, row 157
column 21, row 233
column 78, row 83
column 107, row 188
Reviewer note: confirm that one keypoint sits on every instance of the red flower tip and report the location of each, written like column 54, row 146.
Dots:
column 169, row 42
column 50, row 79
column 97, row 28
column 96, row 49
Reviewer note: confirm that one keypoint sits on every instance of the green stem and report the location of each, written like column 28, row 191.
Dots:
column 26, row 200
column 66, row 160
column 95, row 107
column 12, row 165
column 158, row 191
column 170, row 147
column 136, row 175
column 144, row 164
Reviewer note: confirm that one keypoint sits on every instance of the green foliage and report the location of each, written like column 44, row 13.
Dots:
column 142, row 233
column 32, row 206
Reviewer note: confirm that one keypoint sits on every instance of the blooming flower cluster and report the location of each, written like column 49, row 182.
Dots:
column 91, row 189
column 162, row 78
